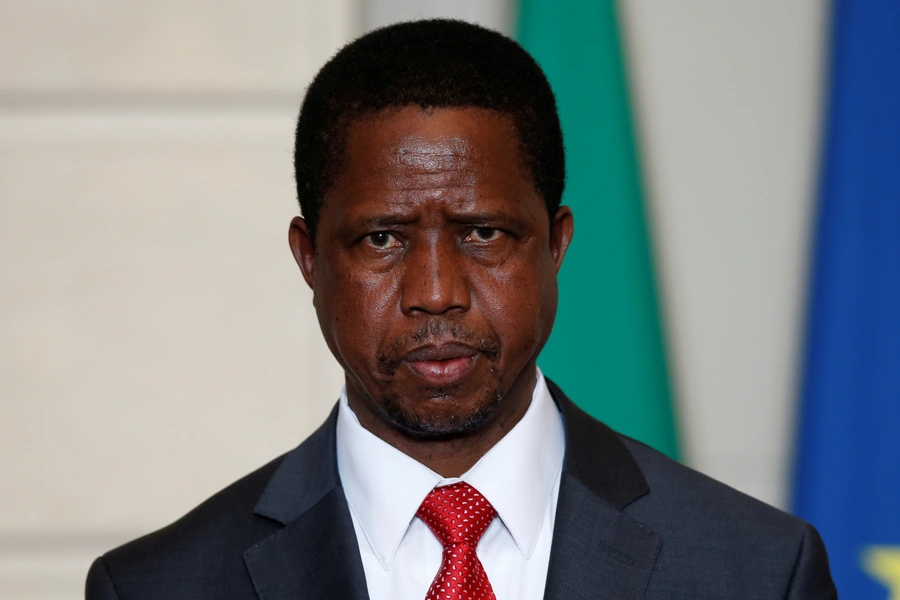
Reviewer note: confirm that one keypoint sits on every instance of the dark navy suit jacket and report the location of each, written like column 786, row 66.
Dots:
column 630, row 524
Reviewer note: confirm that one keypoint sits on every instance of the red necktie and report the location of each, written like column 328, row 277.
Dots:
column 458, row 515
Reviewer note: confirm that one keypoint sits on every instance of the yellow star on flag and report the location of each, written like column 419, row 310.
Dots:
column 883, row 564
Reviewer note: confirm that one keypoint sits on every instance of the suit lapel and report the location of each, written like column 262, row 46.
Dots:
column 315, row 555
column 598, row 551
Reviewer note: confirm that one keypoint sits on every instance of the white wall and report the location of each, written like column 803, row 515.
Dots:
column 496, row 14
column 158, row 341
column 727, row 96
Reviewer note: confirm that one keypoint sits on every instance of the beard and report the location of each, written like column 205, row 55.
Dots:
column 433, row 427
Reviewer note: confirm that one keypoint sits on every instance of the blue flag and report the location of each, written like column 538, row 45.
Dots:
column 848, row 463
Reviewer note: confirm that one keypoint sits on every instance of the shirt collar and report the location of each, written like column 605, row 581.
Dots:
column 384, row 487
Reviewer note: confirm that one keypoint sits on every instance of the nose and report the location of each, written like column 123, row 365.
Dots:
column 434, row 279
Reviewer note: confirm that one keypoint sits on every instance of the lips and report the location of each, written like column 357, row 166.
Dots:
column 443, row 364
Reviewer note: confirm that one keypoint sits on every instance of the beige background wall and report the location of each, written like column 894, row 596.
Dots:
column 157, row 340
column 727, row 96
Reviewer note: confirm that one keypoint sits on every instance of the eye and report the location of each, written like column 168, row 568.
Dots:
column 381, row 239
column 484, row 234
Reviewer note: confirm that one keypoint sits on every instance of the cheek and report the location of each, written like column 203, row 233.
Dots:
column 513, row 301
column 356, row 308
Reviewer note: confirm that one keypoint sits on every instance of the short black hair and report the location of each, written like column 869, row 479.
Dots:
column 438, row 63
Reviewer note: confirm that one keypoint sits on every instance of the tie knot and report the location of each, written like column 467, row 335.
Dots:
column 457, row 514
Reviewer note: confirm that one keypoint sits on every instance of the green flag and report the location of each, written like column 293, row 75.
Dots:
column 606, row 350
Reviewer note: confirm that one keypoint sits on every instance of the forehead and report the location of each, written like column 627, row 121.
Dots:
column 448, row 147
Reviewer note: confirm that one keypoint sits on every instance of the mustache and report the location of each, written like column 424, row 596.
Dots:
column 437, row 332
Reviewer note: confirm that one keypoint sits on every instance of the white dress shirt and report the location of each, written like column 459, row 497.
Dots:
column 519, row 476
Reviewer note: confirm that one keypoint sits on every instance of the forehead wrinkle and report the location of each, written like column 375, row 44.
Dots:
column 430, row 155
column 423, row 162
column 393, row 189
column 435, row 183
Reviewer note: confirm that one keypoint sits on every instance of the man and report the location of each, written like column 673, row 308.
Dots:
column 430, row 168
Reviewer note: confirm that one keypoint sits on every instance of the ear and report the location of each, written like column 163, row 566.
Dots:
column 302, row 248
column 561, row 230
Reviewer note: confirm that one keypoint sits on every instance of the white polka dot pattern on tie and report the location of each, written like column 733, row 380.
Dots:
column 458, row 515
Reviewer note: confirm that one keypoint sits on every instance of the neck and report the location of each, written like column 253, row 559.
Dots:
column 452, row 456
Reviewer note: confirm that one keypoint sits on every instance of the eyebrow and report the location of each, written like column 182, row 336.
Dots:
column 386, row 221
column 379, row 221
column 484, row 216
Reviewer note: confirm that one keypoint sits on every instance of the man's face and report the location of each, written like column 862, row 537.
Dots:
column 434, row 271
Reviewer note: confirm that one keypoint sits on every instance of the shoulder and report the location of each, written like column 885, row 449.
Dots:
column 204, row 546
column 712, row 541
column 702, row 501
column 201, row 555
column 227, row 511
column 719, row 542
column 659, row 491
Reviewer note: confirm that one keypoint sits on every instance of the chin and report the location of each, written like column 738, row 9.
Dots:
column 458, row 419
